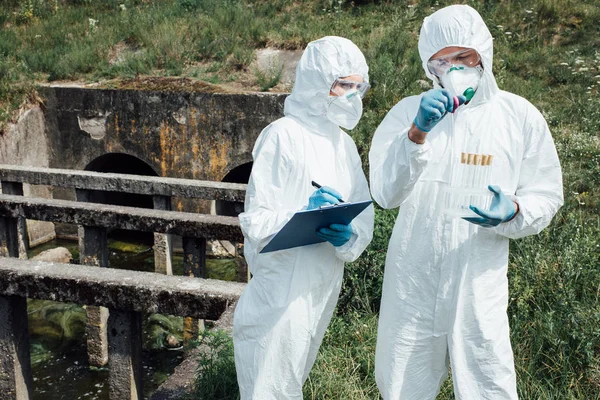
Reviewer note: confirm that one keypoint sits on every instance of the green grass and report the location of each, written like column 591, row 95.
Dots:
column 216, row 378
column 345, row 365
column 545, row 50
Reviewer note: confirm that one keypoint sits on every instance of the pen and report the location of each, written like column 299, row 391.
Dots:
column 315, row 184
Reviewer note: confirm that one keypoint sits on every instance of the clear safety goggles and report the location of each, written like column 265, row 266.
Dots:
column 342, row 87
column 438, row 66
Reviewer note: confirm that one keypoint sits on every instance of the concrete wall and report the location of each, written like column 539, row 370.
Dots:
column 184, row 135
column 192, row 135
column 26, row 143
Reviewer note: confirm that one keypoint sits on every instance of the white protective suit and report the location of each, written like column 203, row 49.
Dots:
column 284, row 310
column 445, row 291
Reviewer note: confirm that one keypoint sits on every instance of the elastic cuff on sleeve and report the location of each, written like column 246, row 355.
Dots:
column 346, row 247
column 416, row 147
column 513, row 223
column 417, row 125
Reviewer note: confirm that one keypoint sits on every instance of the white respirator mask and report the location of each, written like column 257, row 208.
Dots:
column 345, row 110
column 459, row 78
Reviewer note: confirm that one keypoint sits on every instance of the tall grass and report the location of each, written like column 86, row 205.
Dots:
column 545, row 50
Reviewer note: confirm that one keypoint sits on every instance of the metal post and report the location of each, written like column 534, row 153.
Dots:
column 163, row 248
column 194, row 265
column 16, row 189
column 15, row 369
column 93, row 250
column 125, row 360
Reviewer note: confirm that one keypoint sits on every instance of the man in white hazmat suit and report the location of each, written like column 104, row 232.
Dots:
column 445, row 291
column 284, row 311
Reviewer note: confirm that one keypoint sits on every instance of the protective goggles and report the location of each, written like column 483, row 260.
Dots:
column 342, row 87
column 438, row 66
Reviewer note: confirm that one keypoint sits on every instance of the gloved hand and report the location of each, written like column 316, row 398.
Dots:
column 434, row 105
column 325, row 196
column 336, row 234
column 501, row 210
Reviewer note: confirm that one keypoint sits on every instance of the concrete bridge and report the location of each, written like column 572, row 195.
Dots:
column 114, row 330
column 177, row 132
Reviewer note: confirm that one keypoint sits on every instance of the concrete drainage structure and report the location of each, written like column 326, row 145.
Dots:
column 173, row 133
column 196, row 135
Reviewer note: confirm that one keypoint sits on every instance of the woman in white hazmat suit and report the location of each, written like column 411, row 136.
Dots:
column 283, row 313
column 445, row 291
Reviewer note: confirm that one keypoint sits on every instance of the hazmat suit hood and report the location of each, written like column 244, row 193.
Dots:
column 459, row 25
column 323, row 61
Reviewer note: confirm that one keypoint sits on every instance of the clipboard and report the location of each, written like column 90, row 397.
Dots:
column 301, row 229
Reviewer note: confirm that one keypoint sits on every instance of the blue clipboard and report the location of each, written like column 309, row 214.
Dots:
column 301, row 229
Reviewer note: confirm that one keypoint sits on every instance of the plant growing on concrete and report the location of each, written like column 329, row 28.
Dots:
column 268, row 77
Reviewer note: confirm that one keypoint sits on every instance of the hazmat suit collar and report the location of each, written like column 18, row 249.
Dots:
column 460, row 25
column 323, row 61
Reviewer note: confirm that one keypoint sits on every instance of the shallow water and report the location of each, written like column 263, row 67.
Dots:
column 57, row 331
column 67, row 375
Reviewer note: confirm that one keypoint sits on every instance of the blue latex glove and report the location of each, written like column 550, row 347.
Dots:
column 502, row 210
column 325, row 196
column 336, row 234
column 434, row 105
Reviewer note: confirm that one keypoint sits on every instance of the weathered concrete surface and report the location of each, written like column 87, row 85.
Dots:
column 242, row 271
column 95, row 126
column 125, row 362
column 194, row 265
column 101, row 215
column 14, row 228
column 181, row 382
column 149, row 185
column 97, row 338
column 192, row 135
column 15, row 368
column 39, row 232
column 114, row 288
column 163, row 244
column 163, row 254
column 93, row 251
column 58, row 254
column 220, row 248
column 9, row 244
column 25, row 142
column 195, row 135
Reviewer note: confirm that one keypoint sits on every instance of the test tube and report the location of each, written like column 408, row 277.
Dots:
column 477, row 171
column 469, row 170
column 488, row 177
column 466, row 200
column 454, row 198
column 484, row 162
column 476, row 178
column 472, row 171
column 463, row 163
column 482, row 182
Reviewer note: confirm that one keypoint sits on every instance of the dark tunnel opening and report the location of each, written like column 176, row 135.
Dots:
column 240, row 174
column 123, row 164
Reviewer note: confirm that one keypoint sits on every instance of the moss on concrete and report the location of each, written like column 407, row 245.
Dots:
column 164, row 84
